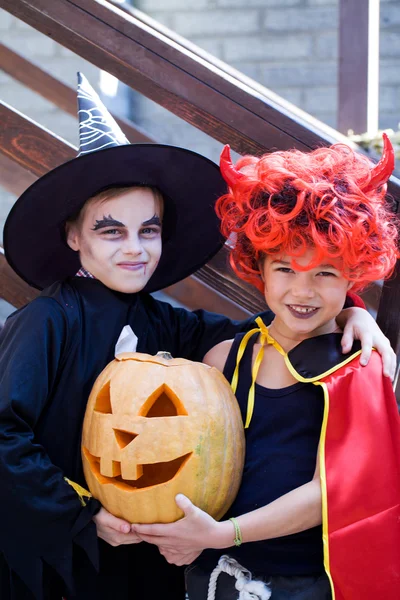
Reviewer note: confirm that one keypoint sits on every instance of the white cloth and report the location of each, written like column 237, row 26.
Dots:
column 127, row 341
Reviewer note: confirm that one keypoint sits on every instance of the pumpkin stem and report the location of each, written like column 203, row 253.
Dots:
column 164, row 354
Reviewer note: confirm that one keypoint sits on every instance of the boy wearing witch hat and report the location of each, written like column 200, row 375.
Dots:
column 97, row 234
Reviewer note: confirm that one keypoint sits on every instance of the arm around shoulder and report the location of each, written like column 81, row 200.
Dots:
column 195, row 333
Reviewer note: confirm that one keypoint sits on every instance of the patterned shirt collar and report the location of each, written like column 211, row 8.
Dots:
column 84, row 273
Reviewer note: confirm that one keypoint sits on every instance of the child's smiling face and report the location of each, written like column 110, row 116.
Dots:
column 119, row 239
column 305, row 303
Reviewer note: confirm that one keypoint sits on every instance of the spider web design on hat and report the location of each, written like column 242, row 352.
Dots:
column 97, row 128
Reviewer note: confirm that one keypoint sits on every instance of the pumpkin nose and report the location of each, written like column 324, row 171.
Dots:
column 131, row 442
column 174, row 435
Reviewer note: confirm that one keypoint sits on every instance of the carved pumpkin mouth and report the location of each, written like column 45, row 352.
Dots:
column 152, row 474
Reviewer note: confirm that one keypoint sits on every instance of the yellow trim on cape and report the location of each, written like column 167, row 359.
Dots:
column 324, row 492
column 82, row 493
column 266, row 338
column 299, row 377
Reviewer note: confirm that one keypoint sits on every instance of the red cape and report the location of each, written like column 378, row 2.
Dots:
column 360, row 472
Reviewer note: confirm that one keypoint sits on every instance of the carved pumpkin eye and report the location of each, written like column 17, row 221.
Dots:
column 103, row 400
column 163, row 402
column 155, row 427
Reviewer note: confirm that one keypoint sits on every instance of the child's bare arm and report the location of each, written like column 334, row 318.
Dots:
column 296, row 511
column 216, row 357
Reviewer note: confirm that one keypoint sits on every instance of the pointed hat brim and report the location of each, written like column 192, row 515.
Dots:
column 34, row 233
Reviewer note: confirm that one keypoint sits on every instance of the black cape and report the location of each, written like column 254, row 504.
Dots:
column 51, row 352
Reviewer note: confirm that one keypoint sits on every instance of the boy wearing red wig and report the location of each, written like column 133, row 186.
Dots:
column 317, row 515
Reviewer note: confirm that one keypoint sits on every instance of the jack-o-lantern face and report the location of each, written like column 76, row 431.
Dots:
column 155, row 427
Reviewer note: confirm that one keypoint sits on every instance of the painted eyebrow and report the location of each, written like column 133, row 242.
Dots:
column 107, row 222
column 155, row 220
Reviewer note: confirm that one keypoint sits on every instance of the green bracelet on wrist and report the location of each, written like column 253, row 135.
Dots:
column 238, row 534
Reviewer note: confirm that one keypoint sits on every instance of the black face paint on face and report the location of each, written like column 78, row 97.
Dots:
column 107, row 222
column 155, row 220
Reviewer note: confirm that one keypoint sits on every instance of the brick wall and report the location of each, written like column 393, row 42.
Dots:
column 389, row 64
column 290, row 46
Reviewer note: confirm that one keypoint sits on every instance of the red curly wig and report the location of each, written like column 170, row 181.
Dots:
column 329, row 199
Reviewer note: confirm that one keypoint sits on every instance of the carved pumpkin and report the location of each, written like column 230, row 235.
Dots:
column 155, row 427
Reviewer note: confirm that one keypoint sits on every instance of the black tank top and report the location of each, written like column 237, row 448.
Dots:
column 281, row 450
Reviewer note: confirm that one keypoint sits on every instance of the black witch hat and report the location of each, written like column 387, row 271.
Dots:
column 34, row 233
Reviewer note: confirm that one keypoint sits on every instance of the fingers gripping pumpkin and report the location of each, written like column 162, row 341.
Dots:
column 155, row 427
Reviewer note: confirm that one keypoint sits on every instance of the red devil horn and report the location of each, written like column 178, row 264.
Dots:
column 383, row 170
column 228, row 169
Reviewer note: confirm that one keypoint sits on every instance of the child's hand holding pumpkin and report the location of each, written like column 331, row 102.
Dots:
column 113, row 530
column 177, row 557
column 186, row 538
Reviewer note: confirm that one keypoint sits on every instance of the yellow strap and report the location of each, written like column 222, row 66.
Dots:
column 268, row 338
column 240, row 353
column 250, row 397
column 82, row 493
column 265, row 338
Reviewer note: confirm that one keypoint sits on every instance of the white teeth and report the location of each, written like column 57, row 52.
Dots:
column 302, row 309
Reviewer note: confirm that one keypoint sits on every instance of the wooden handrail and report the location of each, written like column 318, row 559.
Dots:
column 186, row 44
column 178, row 79
column 29, row 145
column 12, row 288
column 388, row 317
column 14, row 178
column 249, row 117
column 57, row 92
column 194, row 293
column 219, row 275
